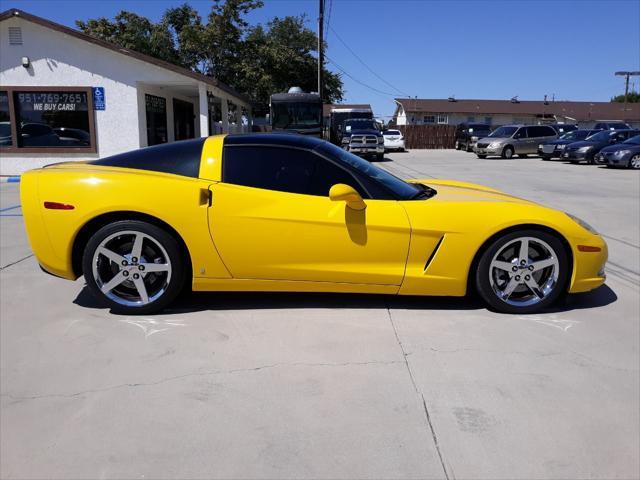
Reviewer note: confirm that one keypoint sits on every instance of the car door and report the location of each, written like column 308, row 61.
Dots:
column 271, row 218
column 520, row 140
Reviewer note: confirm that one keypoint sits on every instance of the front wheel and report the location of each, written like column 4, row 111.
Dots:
column 546, row 157
column 634, row 162
column 133, row 267
column 481, row 156
column 507, row 152
column 523, row 272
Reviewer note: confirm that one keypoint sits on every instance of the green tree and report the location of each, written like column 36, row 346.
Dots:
column 633, row 97
column 282, row 56
column 257, row 61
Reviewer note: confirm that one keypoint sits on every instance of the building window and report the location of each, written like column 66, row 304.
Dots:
column 443, row 118
column 429, row 119
column 47, row 119
column 488, row 120
column 156, row 112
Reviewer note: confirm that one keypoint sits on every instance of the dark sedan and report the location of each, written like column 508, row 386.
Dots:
column 586, row 150
column 554, row 148
column 625, row 154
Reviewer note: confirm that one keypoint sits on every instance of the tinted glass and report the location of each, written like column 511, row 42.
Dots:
column 156, row 112
column 38, row 113
column 522, row 133
column 576, row 135
column 179, row 158
column 5, row 123
column 296, row 115
column 360, row 125
column 602, row 136
column 392, row 132
column 398, row 188
column 541, row 131
column 634, row 140
column 284, row 170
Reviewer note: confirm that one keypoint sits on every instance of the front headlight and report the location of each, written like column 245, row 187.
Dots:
column 345, row 139
column 622, row 153
column 540, row 147
column 584, row 149
column 494, row 145
column 582, row 223
column 474, row 139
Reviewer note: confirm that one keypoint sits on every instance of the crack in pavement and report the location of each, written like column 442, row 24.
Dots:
column 17, row 261
column 196, row 374
column 421, row 395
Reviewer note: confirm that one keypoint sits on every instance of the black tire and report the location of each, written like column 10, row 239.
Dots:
column 481, row 155
column 546, row 157
column 155, row 236
column 634, row 162
column 574, row 162
column 482, row 274
column 508, row 152
column 379, row 157
column 522, row 155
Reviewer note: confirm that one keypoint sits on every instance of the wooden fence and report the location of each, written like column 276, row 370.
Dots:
column 428, row 136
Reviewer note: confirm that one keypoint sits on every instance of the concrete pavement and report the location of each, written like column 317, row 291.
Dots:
column 332, row 386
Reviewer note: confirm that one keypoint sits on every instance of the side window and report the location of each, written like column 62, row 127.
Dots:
column 521, row 133
column 282, row 169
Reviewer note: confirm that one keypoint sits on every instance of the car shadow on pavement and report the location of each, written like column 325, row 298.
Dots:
column 203, row 301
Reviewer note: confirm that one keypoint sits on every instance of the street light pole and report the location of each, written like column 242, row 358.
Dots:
column 321, row 49
column 626, row 84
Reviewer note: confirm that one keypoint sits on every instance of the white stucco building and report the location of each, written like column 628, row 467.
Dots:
column 67, row 96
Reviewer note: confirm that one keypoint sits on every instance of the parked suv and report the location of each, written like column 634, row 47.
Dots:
column 362, row 137
column 611, row 126
column 586, row 150
column 467, row 134
column 554, row 148
column 510, row 140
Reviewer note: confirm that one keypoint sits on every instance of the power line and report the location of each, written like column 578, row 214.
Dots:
column 363, row 62
column 328, row 19
column 358, row 81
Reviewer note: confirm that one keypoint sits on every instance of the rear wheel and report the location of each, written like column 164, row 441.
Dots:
column 634, row 162
column 481, row 155
column 523, row 272
column 546, row 157
column 134, row 267
column 507, row 152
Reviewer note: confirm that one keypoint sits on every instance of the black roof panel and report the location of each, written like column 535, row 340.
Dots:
column 286, row 139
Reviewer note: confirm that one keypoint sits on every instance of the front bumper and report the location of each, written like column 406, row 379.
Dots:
column 608, row 158
column 366, row 149
column 551, row 151
column 576, row 156
column 488, row 150
column 589, row 266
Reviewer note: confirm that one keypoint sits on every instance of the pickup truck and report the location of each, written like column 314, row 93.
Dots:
column 362, row 137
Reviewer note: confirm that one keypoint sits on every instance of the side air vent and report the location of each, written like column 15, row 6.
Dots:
column 15, row 36
column 433, row 254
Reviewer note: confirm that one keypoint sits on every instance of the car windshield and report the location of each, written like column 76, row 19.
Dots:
column 600, row 136
column 503, row 132
column 401, row 189
column 296, row 115
column 392, row 132
column 633, row 140
column 575, row 135
column 359, row 125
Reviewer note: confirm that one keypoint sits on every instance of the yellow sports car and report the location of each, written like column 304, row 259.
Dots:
column 281, row 212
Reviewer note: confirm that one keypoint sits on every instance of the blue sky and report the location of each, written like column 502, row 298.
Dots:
column 434, row 49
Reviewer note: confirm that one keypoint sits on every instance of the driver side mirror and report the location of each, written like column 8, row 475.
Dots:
column 344, row 193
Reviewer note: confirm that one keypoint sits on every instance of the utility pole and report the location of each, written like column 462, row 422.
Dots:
column 626, row 84
column 321, row 49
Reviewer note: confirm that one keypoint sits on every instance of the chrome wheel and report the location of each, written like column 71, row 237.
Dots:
column 131, row 268
column 524, row 272
column 635, row 162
